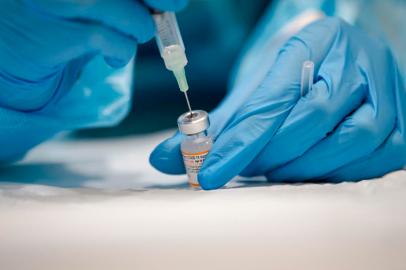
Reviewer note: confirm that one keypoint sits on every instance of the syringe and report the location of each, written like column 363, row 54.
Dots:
column 171, row 48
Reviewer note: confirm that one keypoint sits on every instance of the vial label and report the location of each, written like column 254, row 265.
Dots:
column 193, row 163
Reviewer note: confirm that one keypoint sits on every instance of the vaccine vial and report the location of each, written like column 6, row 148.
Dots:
column 195, row 144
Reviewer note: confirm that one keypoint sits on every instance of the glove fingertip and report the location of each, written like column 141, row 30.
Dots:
column 169, row 163
column 167, row 158
column 114, row 62
column 147, row 32
column 206, row 181
column 211, row 178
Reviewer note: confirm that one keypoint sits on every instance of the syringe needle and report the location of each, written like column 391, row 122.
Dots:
column 188, row 103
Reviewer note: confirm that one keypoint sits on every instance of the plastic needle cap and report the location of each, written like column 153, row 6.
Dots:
column 306, row 81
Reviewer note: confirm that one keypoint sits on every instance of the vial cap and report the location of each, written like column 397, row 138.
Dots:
column 193, row 123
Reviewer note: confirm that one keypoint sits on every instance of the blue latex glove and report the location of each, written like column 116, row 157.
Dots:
column 45, row 45
column 351, row 125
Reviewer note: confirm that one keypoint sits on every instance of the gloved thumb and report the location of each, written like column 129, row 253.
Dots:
column 167, row 157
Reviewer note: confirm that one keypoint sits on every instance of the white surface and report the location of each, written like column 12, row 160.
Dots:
column 99, row 205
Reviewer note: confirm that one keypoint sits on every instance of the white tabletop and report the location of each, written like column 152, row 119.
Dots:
column 99, row 205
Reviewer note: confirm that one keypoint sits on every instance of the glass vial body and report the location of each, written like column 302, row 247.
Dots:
column 194, row 149
column 195, row 144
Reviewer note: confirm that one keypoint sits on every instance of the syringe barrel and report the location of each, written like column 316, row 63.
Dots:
column 171, row 46
column 167, row 31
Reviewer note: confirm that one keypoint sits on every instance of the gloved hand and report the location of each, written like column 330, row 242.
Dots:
column 351, row 126
column 41, row 39
column 44, row 46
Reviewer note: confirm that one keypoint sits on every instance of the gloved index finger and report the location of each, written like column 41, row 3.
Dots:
column 129, row 17
column 256, row 122
column 247, row 134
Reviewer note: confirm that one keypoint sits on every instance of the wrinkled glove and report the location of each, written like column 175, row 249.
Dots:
column 44, row 46
column 350, row 126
